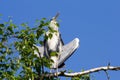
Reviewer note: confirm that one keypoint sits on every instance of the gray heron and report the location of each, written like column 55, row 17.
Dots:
column 56, row 44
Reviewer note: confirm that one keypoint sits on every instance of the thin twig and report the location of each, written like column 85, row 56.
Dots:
column 108, row 77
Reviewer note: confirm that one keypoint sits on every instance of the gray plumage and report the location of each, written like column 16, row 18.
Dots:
column 55, row 44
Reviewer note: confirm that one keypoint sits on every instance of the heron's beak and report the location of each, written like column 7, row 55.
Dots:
column 56, row 16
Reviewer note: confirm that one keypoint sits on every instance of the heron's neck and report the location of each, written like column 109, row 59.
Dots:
column 54, row 26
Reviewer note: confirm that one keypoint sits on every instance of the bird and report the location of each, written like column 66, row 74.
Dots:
column 56, row 44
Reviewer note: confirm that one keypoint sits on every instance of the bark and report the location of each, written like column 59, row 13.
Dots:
column 66, row 74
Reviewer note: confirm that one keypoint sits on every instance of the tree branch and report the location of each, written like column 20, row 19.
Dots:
column 63, row 73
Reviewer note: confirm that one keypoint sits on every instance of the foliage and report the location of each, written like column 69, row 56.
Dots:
column 82, row 77
column 17, row 58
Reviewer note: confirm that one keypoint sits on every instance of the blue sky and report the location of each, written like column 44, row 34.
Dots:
column 95, row 22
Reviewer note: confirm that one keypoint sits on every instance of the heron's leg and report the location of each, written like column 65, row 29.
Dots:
column 50, row 73
column 57, row 69
column 51, row 70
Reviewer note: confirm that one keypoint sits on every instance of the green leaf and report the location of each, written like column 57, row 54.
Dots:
column 54, row 54
column 17, row 32
column 77, row 78
column 33, row 28
column 51, row 29
column 41, row 42
column 24, row 24
column 4, row 39
column 43, row 18
column 57, row 24
column 10, row 29
column 70, row 71
column 1, row 32
column 50, row 35
column 40, row 32
column 1, row 25
column 13, row 25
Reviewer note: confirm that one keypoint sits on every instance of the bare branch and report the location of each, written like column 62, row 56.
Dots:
column 63, row 73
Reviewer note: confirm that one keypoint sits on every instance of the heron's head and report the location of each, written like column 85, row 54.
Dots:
column 54, row 23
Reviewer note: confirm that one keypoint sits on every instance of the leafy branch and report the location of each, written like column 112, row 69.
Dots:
column 17, row 58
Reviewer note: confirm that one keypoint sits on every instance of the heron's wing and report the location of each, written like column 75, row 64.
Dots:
column 41, row 51
column 68, row 50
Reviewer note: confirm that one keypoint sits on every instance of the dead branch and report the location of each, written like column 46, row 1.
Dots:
column 66, row 74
